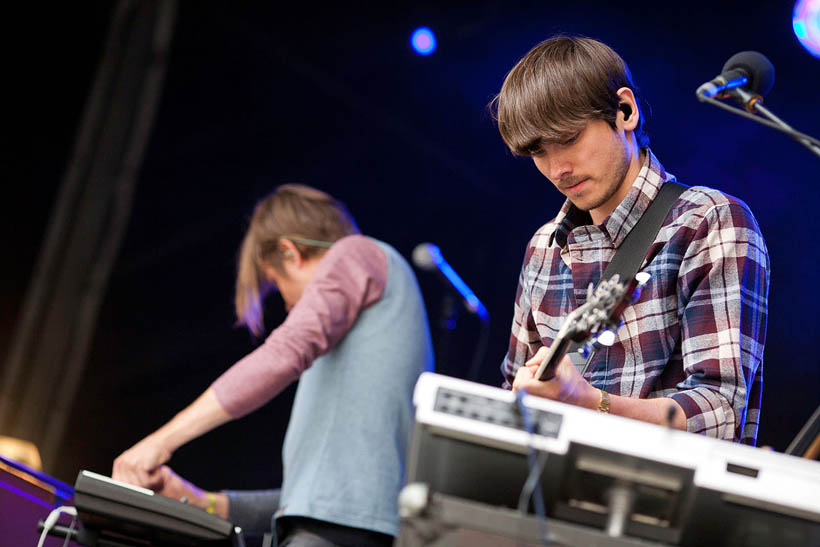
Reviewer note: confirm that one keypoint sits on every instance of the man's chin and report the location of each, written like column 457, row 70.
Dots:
column 584, row 205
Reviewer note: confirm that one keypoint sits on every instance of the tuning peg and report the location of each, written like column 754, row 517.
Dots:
column 604, row 338
column 588, row 349
column 642, row 278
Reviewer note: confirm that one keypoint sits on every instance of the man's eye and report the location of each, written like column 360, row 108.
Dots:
column 570, row 140
column 534, row 150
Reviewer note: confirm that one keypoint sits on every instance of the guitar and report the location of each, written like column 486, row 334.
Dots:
column 595, row 322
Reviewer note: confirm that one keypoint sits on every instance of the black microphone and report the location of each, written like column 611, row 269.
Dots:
column 748, row 69
column 746, row 77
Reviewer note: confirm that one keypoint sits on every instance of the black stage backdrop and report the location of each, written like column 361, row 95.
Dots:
column 257, row 95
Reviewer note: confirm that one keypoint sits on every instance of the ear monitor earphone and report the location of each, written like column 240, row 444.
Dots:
column 626, row 109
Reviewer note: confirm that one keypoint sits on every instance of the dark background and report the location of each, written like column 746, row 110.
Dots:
column 258, row 94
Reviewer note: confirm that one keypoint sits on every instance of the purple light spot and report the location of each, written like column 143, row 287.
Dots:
column 423, row 41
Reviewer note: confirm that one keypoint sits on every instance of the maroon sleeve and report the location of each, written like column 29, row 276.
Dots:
column 350, row 277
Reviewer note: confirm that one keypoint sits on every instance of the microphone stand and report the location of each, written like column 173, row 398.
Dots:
column 447, row 324
column 480, row 350
column 752, row 103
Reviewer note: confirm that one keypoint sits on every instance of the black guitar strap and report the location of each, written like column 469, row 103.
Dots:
column 632, row 252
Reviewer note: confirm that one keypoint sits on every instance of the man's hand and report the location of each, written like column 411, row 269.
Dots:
column 567, row 386
column 173, row 486
column 140, row 464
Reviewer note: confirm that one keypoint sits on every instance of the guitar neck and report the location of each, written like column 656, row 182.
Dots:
column 600, row 314
column 556, row 352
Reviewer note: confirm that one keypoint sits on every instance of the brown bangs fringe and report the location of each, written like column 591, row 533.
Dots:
column 555, row 89
column 293, row 210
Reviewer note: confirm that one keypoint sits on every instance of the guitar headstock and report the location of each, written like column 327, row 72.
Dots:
column 595, row 322
column 599, row 318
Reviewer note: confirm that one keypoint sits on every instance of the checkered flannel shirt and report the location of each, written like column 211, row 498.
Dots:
column 698, row 330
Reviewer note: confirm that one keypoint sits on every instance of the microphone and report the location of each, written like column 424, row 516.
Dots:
column 745, row 78
column 748, row 69
column 427, row 256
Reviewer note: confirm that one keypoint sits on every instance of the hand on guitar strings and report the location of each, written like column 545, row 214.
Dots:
column 568, row 386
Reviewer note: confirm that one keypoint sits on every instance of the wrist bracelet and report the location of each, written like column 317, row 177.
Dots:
column 211, row 508
column 603, row 406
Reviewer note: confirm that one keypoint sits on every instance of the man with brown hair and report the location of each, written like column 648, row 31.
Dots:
column 692, row 347
column 356, row 337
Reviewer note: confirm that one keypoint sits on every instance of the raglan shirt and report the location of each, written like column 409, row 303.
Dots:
column 357, row 340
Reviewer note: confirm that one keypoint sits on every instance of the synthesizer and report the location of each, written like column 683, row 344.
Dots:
column 470, row 443
column 121, row 514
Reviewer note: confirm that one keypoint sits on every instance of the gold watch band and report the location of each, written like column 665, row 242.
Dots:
column 603, row 406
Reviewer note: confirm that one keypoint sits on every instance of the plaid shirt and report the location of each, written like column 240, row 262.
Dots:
column 698, row 330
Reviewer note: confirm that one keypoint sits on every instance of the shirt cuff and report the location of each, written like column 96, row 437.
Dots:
column 707, row 412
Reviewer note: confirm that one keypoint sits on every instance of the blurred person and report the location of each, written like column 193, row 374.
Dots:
column 357, row 338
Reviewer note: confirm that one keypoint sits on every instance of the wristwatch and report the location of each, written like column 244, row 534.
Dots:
column 603, row 406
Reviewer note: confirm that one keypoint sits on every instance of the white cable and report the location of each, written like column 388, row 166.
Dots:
column 70, row 531
column 51, row 520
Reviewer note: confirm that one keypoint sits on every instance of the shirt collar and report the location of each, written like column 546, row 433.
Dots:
column 618, row 224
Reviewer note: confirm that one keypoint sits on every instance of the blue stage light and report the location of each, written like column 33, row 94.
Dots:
column 806, row 24
column 423, row 41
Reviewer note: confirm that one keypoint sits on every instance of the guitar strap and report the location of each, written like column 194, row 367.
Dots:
column 632, row 252
column 630, row 255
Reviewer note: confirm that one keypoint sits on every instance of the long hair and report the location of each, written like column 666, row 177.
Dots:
column 292, row 210
column 556, row 88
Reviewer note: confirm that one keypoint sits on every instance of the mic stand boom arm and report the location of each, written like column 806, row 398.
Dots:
column 752, row 103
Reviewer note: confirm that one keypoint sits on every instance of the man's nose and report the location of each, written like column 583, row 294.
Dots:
column 559, row 166
column 554, row 166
